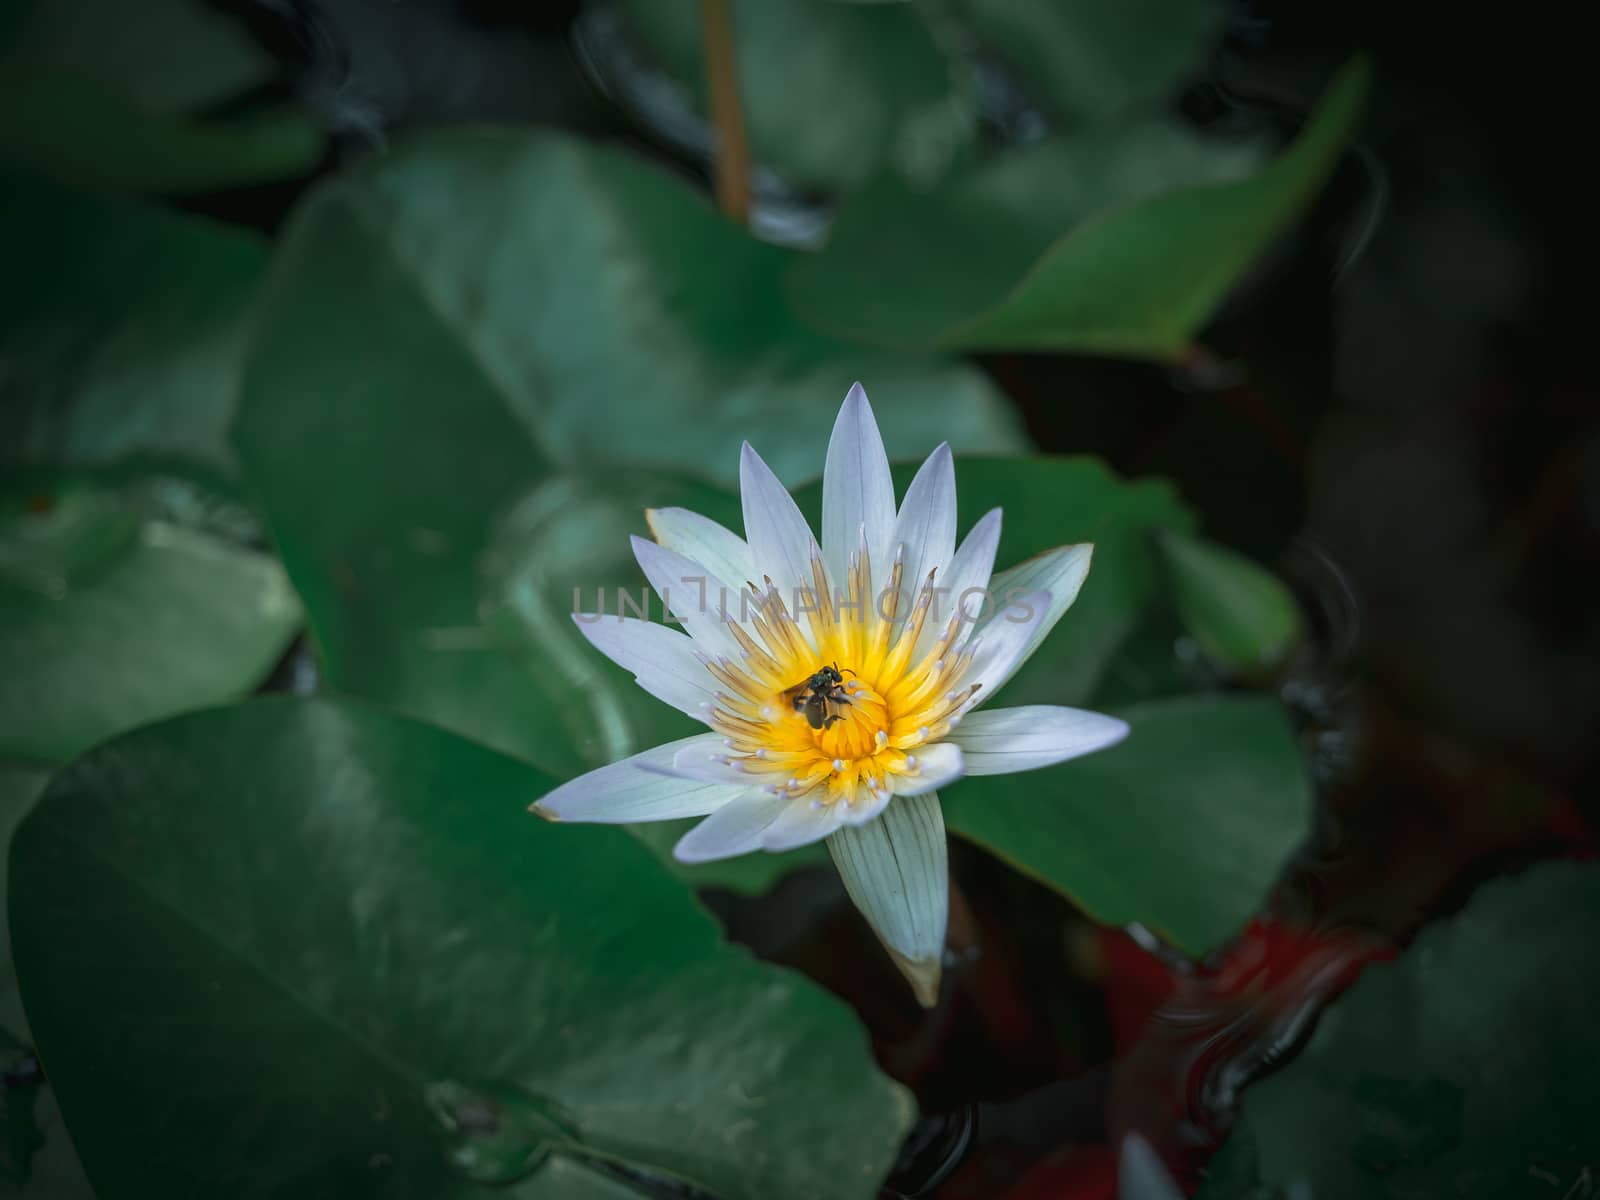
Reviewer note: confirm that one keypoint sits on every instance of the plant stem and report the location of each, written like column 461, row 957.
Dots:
column 731, row 153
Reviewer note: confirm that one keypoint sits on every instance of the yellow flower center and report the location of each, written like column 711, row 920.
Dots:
column 837, row 742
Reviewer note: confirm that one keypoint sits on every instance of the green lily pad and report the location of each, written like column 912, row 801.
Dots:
column 121, row 326
column 109, row 620
column 1243, row 616
column 1183, row 827
column 907, row 267
column 603, row 303
column 831, row 93
column 1465, row 1068
column 348, row 962
column 1117, row 240
column 1143, row 278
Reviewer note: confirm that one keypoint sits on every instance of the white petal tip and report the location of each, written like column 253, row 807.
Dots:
column 540, row 810
column 691, row 857
column 923, row 974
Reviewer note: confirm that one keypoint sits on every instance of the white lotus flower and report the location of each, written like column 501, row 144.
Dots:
column 794, row 756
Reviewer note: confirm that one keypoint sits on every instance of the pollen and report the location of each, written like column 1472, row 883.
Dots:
column 860, row 734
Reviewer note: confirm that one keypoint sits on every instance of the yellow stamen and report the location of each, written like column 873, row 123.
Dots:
column 871, row 719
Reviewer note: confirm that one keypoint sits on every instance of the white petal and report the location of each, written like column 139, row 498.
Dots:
column 635, row 790
column 1056, row 575
column 898, row 875
column 1003, row 740
column 715, row 547
column 865, row 808
column 1141, row 1175
column 662, row 660
column 969, row 570
column 780, row 539
column 800, row 824
column 733, row 829
column 857, row 492
column 685, row 590
column 1060, row 572
column 925, row 526
column 792, row 820
column 937, row 765
column 709, row 761
column 1004, row 641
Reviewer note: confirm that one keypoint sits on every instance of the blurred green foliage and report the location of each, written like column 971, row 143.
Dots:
column 831, row 92
column 121, row 96
column 1093, row 61
column 123, row 328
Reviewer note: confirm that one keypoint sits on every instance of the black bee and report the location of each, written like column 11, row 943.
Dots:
column 812, row 696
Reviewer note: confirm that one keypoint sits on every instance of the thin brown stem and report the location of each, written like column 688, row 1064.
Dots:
column 731, row 155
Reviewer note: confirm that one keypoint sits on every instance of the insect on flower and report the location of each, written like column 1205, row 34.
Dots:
column 883, row 713
column 814, row 696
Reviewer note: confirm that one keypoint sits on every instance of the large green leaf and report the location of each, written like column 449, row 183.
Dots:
column 436, row 547
column 906, row 267
column 121, row 327
column 109, row 619
column 1143, row 278
column 831, row 93
column 1090, row 60
column 1464, row 1069
column 1183, row 827
column 111, row 94
column 348, row 962
column 605, row 305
